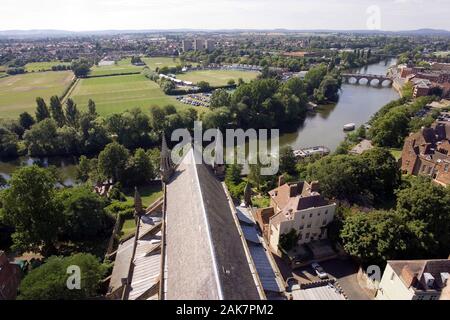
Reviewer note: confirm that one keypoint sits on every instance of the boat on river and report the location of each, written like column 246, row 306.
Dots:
column 349, row 127
column 309, row 152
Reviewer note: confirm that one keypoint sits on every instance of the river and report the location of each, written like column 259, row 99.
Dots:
column 324, row 127
column 357, row 103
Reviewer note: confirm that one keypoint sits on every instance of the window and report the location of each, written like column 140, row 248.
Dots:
column 309, row 225
column 300, row 236
column 392, row 276
column 307, row 236
column 310, row 215
column 446, row 167
column 301, row 227
column 326, row 212
column 324, row 222
column 303, row 216
column 318, row 214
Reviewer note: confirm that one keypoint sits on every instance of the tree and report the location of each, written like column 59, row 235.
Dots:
column 112, row 161
column 374, row 237
column 30, row 205
column 84, row 214
column 217, row 118
column 81, row 68
column 57, row 111
column 427, row 203
column 390, row 129
column 72, row 114
column 92, row 108
column 49, row 281
column 139, row 169
column 83, row 169
column 328, row 90
column 383, row 173
column 42, row 139
column 26, row 120
column 42, row 111
column 287, row 160
column 314, row 77
column 339, row 176
column 220, row 98
column 204, row 86
column 8, row 143
column 167, row 86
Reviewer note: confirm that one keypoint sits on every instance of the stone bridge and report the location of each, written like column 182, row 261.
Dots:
column 370, row 78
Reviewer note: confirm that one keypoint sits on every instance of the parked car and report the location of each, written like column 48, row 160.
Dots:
column 319, row 271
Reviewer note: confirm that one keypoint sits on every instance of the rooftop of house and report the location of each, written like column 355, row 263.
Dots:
column 429, row 140
column 422, row 275
column 297, row 196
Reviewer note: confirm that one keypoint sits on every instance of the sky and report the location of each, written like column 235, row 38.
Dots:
column 90, row 15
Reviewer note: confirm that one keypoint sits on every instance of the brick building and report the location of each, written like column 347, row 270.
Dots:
column 427, row 153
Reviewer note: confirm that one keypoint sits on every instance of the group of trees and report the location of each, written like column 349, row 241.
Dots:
column 115, row 163
column 391, row 124
column 68, row 131
column 366, row 179
column 81, row 67
column 323, row 83
column 49, row 281
column 264, row 103
column 44, row 218
column 416, row 228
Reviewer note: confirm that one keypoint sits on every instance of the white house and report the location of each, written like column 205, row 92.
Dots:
column 415, row 280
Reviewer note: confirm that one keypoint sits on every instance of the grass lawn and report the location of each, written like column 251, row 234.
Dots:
column 18, row 93
column 120, row 93
column 261, row 202
column 121, row 67
column 159, row 62
column 149, row 194
column 217, row 77
column 43, row 66
column 396, row 153
column 128, row 227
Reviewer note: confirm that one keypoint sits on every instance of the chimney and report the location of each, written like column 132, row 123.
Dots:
column 315, row 186
column 281, row 180
column 293, row 190
column 429, row 280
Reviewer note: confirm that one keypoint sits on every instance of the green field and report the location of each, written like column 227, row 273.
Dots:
column 121, row 67
column 119, row 93
column 442, row 53
column 18, row 93
column 43, row 66
column 159, row 62
column 217, row 77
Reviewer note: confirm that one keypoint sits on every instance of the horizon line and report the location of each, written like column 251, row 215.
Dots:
column 221, row 29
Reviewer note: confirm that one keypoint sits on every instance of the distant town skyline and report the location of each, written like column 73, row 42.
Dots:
column 95, row 15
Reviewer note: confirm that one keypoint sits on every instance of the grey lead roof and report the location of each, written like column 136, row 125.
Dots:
column 204, row 254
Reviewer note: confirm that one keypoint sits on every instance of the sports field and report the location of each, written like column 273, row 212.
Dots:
column 217, row 77
column 119, row 93
column 43, row 66
column 159, row 62
column 121, row 67
column 18, row 93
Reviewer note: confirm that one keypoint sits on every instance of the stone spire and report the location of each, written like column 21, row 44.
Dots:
column 166, row 167
column 138, row 209
column 248, row 195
